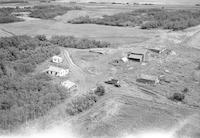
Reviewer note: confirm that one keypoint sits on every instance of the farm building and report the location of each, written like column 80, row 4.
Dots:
column 57, row 59
column 56, row 71
column 158, row 50
column 124, row 59
column 138, row 54
column 98, row 51
column 69, row 85
column 149, row 79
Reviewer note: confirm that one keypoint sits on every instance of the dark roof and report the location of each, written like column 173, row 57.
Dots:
column 140, row 51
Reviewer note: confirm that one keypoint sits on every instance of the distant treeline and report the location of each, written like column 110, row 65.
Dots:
column 147, row 19
column 50, row 11
column 7, row 17
column 42, row 12
column 12, row 1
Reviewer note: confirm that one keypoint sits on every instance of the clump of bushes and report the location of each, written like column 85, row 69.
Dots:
column 148, row 19
column 50, row 11
column 81, row 103
column 72, row 42
column 100, row 90
column 81, row 20
column 178, row 97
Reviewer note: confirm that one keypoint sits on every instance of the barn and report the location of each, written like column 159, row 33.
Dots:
column 138, row 54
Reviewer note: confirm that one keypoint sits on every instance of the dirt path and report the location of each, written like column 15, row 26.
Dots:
column 76, row 72
column 194, row 40
column 7, row 32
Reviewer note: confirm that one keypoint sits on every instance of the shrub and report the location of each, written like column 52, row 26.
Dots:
column 41, row 37
column 178, row 97
column 80, row 104
column 81, row 20
column 100, row 90
column 185, row 90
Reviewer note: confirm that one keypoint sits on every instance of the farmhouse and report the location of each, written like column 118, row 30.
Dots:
column 56, row 71
column 69, row 85
column 57, row 59
column 143, row 78
column 138, row 54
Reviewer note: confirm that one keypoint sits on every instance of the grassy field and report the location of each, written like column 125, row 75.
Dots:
column 115, row 35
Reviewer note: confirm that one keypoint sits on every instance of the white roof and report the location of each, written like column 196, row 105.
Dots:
column 56, row 57
column 55, row 69
column 68, row 84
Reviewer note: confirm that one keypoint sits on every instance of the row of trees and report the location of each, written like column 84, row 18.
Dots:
column 72, row 42
column 147, row 19
column 50, row 11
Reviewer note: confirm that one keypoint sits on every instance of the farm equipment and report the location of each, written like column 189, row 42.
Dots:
column 114, row 82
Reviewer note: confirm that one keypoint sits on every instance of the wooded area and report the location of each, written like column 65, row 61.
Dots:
column 24, row 96
column 147, row 19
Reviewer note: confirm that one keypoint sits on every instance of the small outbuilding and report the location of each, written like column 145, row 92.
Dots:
column 149, row 79
column 124, row 59
column 98, row 51
column 158, row 50
column 56, row 71
column 57, row 59
column 69, row 85
column 138, row 54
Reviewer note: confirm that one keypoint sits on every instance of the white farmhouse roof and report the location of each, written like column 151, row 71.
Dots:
column 55, row 69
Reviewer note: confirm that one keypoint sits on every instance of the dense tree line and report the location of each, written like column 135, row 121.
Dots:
column 7, row 17
column 72, row 42
column 50, row 11
column 24, row 96
column 147, row 19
